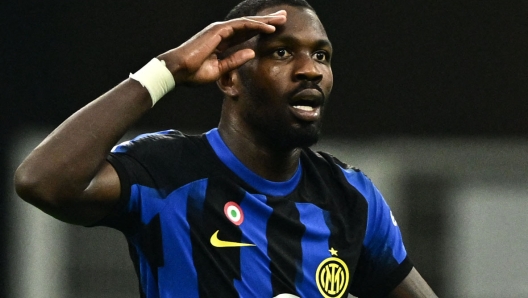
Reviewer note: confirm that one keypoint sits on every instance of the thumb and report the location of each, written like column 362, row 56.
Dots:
column 235, row 60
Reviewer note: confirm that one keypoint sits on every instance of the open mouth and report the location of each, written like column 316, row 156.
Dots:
column 307, row 108
column 304, row 108
column 306, row 105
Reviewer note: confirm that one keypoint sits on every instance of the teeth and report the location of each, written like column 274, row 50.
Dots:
column 304, row 108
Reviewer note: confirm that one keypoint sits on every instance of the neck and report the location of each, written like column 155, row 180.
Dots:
column 274, row 164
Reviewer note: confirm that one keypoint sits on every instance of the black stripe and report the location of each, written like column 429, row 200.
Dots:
column 285, row 253
column 329, row 189
column 216, row 268
column 396, row 277
column 151, row 244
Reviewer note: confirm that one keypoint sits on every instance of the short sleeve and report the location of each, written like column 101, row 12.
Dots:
column 383, row 262
column 134, row 163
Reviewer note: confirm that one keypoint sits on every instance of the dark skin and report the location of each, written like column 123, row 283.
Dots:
column 286, row 59
column 68, row 177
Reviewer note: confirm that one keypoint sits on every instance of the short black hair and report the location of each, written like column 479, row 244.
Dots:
column 252, row 7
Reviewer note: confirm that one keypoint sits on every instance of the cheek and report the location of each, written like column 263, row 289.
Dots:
column 276, row 77
column 272, row 81
column 274, row 72
column 329, row 81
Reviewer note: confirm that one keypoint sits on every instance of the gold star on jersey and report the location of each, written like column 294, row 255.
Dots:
column 332, row 276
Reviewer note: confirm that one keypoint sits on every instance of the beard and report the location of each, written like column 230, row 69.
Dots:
column 280, row 134
column 275, row 127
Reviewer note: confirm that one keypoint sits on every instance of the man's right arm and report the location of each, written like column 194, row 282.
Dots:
column 67, row 175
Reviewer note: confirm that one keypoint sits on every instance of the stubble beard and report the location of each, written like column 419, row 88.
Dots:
column 275, row 129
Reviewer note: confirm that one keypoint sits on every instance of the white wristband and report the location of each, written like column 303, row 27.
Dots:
column 156, row 77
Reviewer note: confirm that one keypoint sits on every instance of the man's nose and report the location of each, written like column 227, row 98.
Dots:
column 306, row 69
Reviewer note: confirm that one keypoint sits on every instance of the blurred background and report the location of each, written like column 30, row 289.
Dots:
column 429, row 99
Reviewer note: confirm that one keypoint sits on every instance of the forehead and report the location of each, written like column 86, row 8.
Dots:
column 301, row 23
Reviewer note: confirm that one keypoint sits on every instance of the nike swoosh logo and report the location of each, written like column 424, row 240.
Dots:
column 220, row 243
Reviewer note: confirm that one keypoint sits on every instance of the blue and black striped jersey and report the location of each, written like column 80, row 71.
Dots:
column 201, row 224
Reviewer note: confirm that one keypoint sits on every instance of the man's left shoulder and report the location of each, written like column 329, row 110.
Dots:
column 328, row 158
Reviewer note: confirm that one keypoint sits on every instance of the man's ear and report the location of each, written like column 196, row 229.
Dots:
column 229, row 84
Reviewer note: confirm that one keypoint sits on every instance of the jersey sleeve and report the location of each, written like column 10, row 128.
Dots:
column 136, row 162
column 383, row 262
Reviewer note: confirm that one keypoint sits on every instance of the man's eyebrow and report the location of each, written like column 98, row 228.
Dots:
column 324, row 43
column 291, row 39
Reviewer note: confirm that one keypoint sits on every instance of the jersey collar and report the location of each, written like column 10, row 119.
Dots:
column 234, row 164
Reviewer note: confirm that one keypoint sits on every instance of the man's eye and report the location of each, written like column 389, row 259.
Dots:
column 281, row 53
column 321, row 56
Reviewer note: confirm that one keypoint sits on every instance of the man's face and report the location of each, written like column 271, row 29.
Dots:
column 284, row 89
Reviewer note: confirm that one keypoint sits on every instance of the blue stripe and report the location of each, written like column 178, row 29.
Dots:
column 383, row 238
column 146, row 200
column 314, row 243
column 123, row 147
column 255, row 274
column 148, row 283
column 178, row 275
column 260, row 184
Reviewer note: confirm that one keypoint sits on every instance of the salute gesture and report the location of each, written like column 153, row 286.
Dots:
column 313, row 226
column 197, row 60
column 89, row 186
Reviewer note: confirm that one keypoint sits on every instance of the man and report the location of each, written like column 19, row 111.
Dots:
column 245, row 209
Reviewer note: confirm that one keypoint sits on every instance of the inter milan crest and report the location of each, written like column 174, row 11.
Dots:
column 332, row 276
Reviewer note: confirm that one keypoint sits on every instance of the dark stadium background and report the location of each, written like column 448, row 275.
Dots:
column 410, row 68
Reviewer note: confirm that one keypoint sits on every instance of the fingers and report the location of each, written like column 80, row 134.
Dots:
column 276, row 18
column 239, row 30
column 235, row 60
column 249, row 26
column 265, row 23
column 191, row 62
column 220, row 36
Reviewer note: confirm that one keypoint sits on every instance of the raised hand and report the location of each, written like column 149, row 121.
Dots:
column 68, row 176
column 197, row 60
